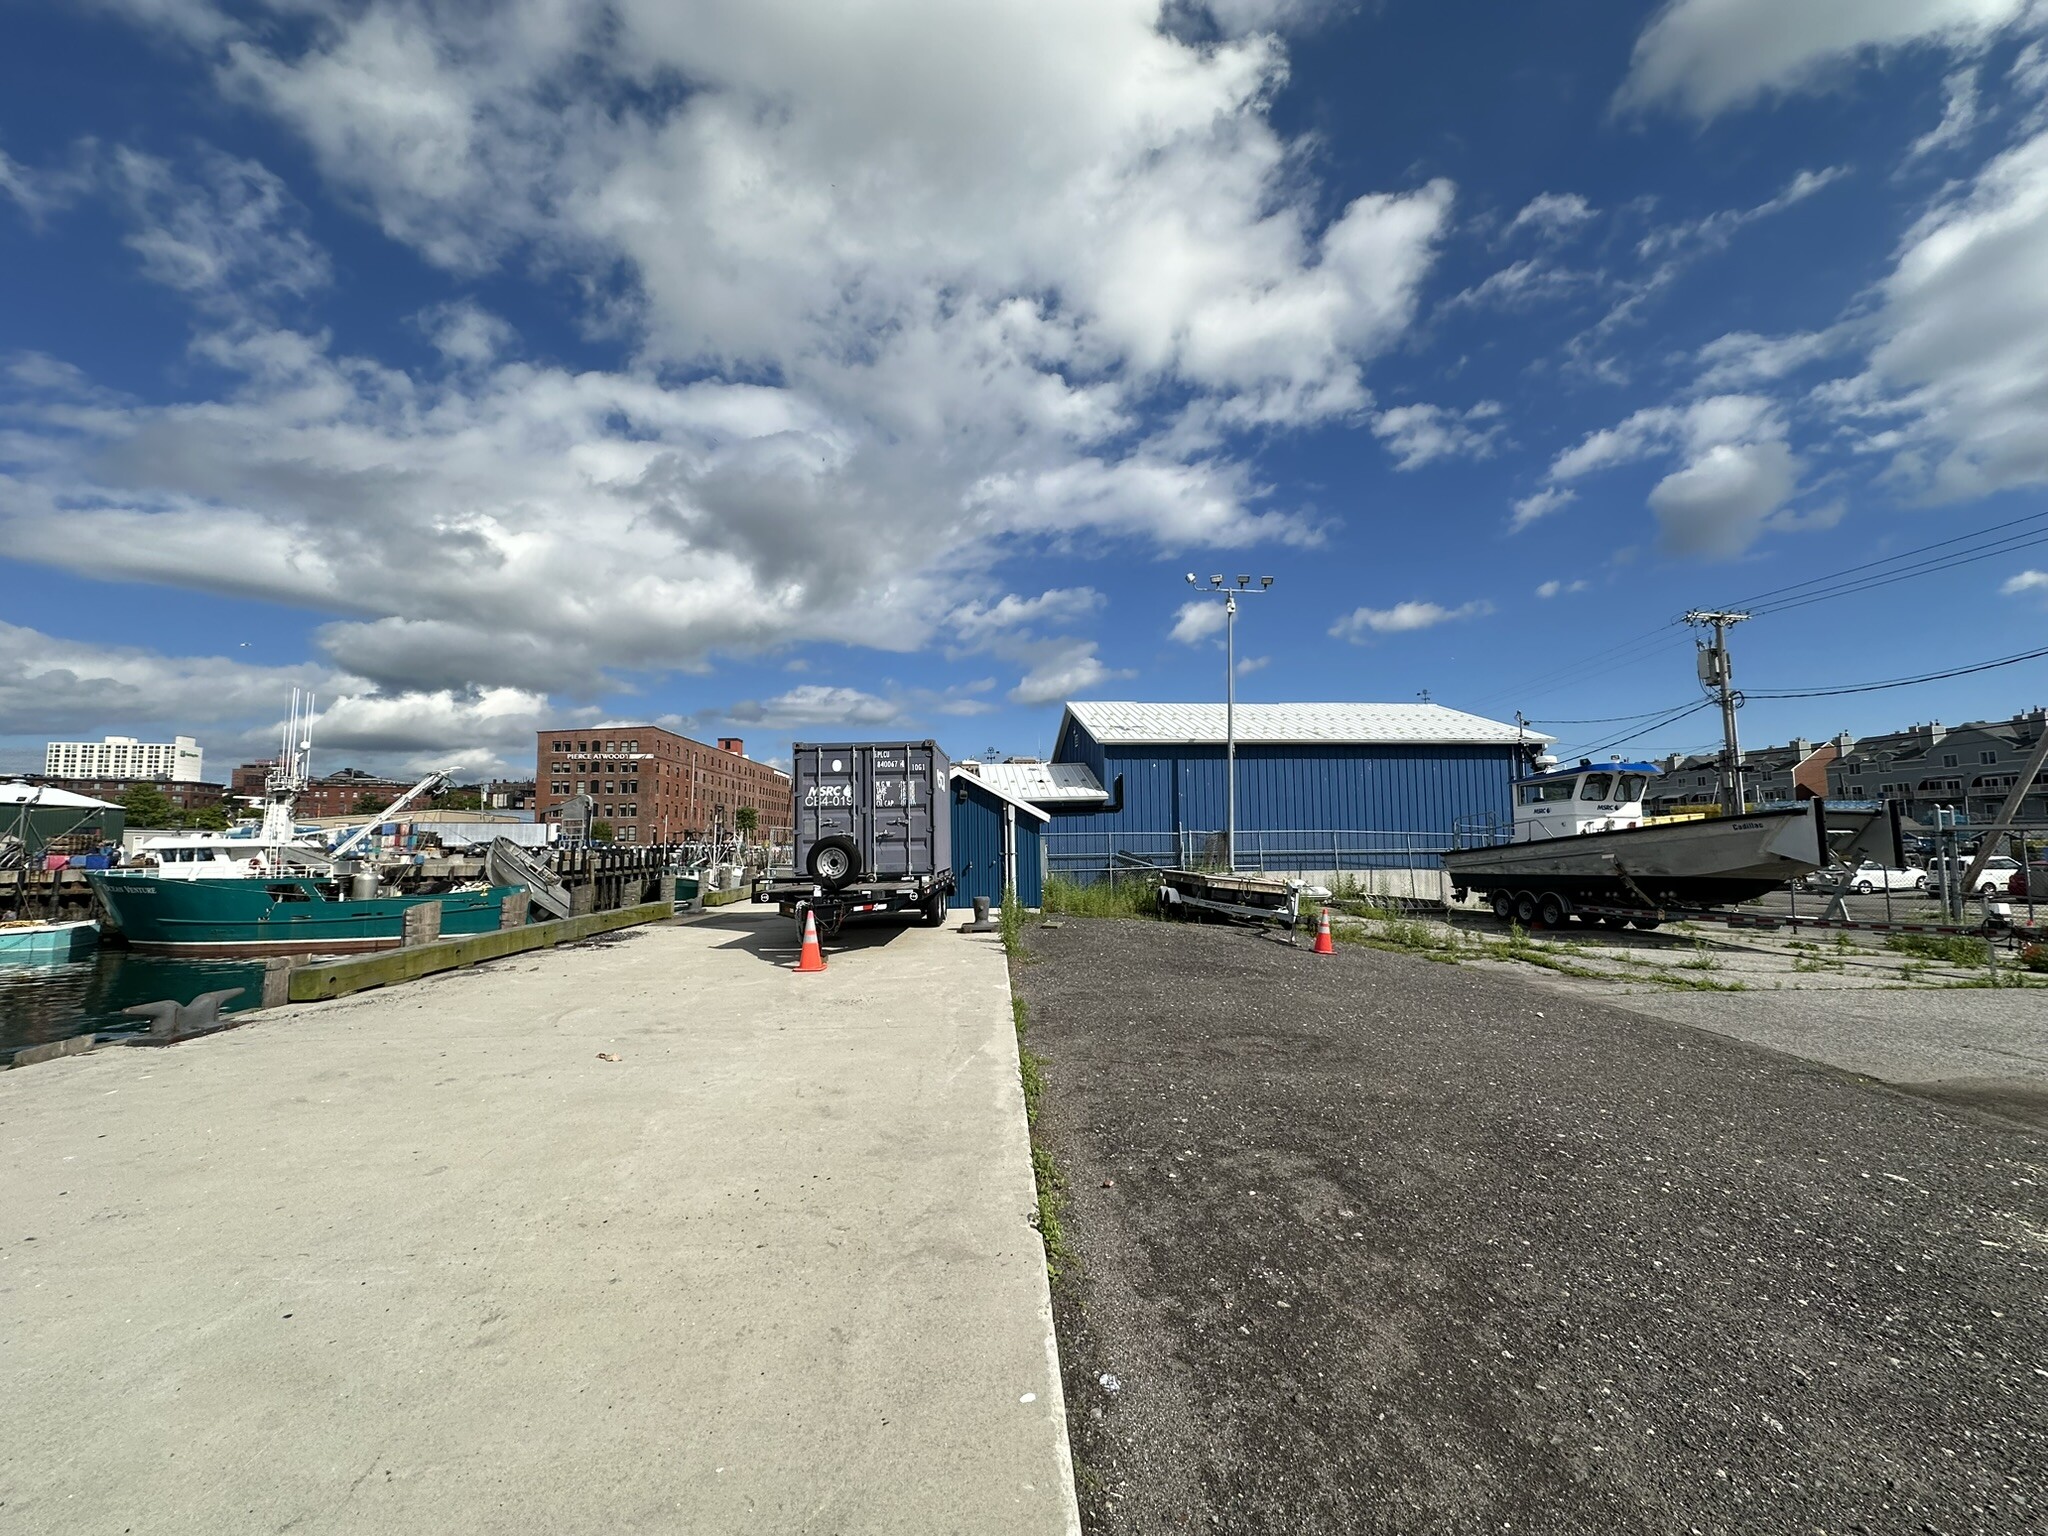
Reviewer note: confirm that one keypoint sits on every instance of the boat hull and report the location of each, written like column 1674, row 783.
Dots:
column 1708, row 862
column 38, row 942
column 257, row 917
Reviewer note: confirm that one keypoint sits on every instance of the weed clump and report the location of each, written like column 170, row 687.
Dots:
column 1955, row 948
column 1101, row 898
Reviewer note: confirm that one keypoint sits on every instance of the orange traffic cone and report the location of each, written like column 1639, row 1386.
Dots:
column 1323, row 945
column 813, row 958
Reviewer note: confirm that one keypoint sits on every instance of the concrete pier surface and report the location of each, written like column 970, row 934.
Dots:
column 422, row 1260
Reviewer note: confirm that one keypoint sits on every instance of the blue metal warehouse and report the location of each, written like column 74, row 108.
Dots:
column 1319, row 786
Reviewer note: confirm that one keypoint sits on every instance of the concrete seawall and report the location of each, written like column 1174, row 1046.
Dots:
column 338, row 978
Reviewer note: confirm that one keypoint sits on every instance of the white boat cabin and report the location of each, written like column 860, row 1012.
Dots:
column 1567, row 802
column 219, row 856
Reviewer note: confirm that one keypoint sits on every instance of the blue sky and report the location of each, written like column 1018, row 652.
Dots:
column 785, row 372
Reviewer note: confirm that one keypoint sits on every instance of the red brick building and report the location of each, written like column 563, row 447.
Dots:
column 333, row 794
column 185, row 794
column 654, row 786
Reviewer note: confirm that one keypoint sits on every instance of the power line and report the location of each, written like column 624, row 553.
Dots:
column 1896, row 682
column 1762, row 598
column 1610, row 719
column 1657, row 725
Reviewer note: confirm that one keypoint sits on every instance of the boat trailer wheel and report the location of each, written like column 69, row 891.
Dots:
column 1503, row 905
column 1525, row 909
column 1552, row 910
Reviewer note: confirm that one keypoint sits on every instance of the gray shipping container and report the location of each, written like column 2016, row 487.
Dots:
column 882, row 806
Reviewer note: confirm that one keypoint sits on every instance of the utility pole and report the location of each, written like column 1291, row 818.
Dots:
column 1718, row 675
column 1230, row 595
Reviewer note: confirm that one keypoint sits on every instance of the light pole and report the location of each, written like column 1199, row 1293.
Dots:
column 1230, row 596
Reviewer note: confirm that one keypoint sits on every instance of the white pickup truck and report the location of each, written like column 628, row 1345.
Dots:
column 1869, row 877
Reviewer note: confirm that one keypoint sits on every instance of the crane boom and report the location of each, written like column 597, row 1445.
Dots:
column 433, row 783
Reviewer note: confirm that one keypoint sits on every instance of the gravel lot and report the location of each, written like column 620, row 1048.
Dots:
column 1374, row 1244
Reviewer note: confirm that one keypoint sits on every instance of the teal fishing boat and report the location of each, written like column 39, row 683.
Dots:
column 38, row 942
column 279, row 915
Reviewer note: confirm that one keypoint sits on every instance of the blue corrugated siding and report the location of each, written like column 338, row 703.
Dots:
column 1419, row 789
column 978, row 851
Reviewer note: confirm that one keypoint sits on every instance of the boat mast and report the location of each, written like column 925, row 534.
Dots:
column 1718, row 675
column 282, row 784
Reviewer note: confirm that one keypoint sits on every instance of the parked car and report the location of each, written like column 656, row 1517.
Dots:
column 1997, row 875
column 2029, row 882
column 1868, row 877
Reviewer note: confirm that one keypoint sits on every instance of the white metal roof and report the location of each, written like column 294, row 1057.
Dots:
column 47, row 795
column 968, row 776
column 1043, row 783
column 1125, row 724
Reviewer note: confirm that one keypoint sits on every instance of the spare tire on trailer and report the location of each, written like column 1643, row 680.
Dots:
column 833, row 862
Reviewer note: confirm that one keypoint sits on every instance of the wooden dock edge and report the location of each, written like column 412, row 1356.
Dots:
column 337, row 978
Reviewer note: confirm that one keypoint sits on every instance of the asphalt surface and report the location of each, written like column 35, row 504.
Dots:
column 1370, row 1244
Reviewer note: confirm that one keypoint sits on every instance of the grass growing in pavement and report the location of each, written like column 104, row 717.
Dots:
column 1012, row 922
column 1051, row 1184
column 1102, row 898
column 1956, row 948
column 1052, row 1199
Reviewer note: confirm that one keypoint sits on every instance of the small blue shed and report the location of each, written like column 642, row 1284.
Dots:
column 996, row 839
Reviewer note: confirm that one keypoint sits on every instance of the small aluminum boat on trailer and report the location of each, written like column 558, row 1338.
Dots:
column 1581, row 838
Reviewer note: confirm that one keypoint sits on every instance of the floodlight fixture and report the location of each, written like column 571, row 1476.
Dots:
column 1215, row 581
column 1191, row 578
column 1265, row 582
column 1243, row 581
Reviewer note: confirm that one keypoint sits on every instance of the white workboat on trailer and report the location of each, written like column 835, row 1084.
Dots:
column 1581, row 838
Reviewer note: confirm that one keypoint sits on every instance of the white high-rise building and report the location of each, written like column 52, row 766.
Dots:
column 123, row 757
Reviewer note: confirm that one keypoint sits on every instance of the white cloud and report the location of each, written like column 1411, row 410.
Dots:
column 984, row 256
column 1552, row 216
column 1737, row 471
column 1196, row 621
column 1247, row 665
column 1064, row 671
column 229, row 237
column 1669, row 251
column 1958, row 117
column 1550, row 589
column 1419, row 434
column 49, row 684
column 1520, row 285
column 1743, row 358
column 1705, row 56
column 1715, row 230
column 2026, row 581
column 1403, row 618
column 817, row 704
column 1957, row 378
column 978, row 623
column 1715, row 505
column 1541, row 504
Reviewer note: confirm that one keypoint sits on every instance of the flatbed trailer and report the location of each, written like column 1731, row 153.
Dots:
column 1259, row 898
column 923, row 897
column 1551, row 911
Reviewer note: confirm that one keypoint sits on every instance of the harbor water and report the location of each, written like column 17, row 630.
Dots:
column 40, row 1003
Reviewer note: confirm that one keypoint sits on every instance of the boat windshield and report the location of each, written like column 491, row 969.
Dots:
column 1546, row 790
column 1594, row 786
column 1631, row 786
